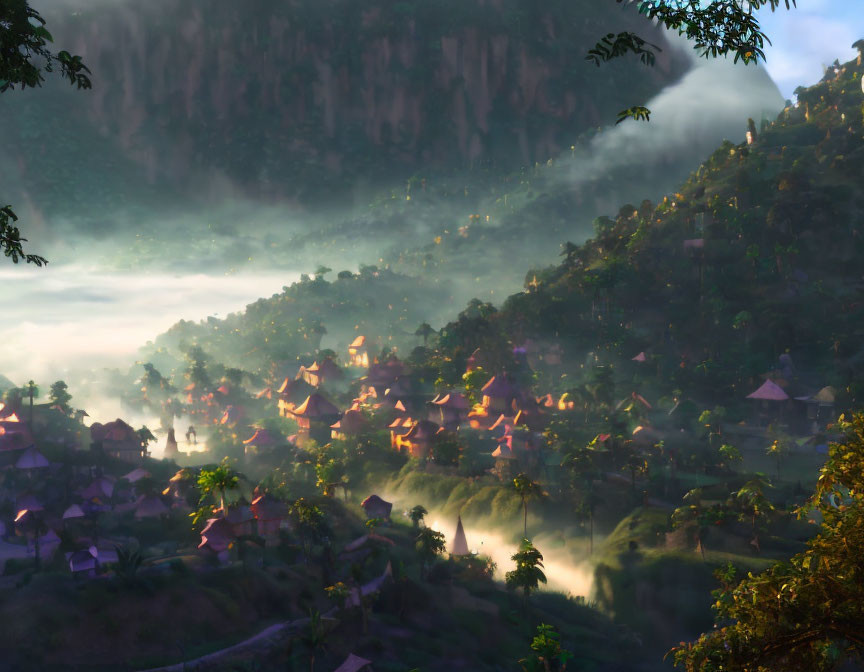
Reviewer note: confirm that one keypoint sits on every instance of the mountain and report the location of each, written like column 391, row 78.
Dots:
column 301, row 100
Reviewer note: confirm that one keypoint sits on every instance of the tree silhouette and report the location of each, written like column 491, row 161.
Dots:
column 526, row 489
column 60, row 396
column 528, row 574
column 424, row 331
column 417, row 514
column 429, row 545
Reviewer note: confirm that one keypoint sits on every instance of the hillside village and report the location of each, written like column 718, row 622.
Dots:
column 328, row 481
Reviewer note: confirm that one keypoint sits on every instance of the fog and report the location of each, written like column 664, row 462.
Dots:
column 119, row 278
column 68, row 321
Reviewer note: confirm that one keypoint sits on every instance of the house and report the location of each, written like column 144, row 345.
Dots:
column 14, row 434
column 241, row 518
column 82, row 562
column 398, row 428
column 449, row 410
column 498, row 394
column 354, row 664
column 772, row 401
column 381, row 376
column 358, row 353
column 819, row 409
column 100, row 490
column 292, row 393
column 419, row 439
column 318, row 374
column 269, row 513
column 261, row 441
column 376, row 507
column 314, row 417
column 136, row 475
column 32, row 459
column 349, row 425
column 217, row 537
column 118, row 440
column 232, row 415
column 150, row 506
column 504, row 458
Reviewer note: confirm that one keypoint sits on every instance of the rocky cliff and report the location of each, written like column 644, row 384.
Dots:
column 300, row 98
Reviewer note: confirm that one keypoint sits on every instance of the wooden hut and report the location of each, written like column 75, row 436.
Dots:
column 375, row 507
column 449, row 410
column 119, row 440
column 358, row 353
column 314, row 417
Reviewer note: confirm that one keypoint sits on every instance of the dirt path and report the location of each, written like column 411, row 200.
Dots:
column 265, row 640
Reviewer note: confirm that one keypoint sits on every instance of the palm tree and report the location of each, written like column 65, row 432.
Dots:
column 528, row 574
column 32, row 391
column 417, row 514
column 526, row 489
column 218, row 481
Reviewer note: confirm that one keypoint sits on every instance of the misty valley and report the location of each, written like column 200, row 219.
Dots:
column 487, row 335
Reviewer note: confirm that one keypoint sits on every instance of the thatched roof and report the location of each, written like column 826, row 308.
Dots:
column 769, row 391
column 353, row 663
column 315, row 406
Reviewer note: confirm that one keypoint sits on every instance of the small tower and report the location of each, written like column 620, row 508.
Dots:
column 171, row 449
column 460, row 544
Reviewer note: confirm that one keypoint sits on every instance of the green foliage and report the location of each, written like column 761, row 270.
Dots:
column 214, row 484
column 549, row 656
column 60, row 396
column 528, row 574
column 417, row 514
column 806, row 613
column 429, row 545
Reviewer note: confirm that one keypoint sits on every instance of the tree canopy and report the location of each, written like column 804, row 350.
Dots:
column 716, row 28
column 807, row 613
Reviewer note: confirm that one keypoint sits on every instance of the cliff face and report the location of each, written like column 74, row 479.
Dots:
column 288, row 98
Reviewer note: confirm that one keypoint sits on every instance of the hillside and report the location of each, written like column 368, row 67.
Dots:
column 755, row 256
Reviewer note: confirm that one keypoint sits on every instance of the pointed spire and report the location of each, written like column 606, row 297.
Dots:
column 460, row 544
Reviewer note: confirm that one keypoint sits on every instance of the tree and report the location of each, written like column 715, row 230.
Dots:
column 216, row 483
column 60, row 396
column 528, row 574
column 417, row 514
column 714, row 28
column 309, row 523
column 315, row 637
column 24, row 58
column 145, row 437
column 338, row 593
column 548, row 656
column 807, row 613
column 429, row 545
column 424, row 331
column 755, row 505
column 777, row 450
column 526, row 489
column 32, row 391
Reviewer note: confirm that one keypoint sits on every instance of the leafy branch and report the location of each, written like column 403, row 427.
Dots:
column 11, row 240
column 715, row 28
